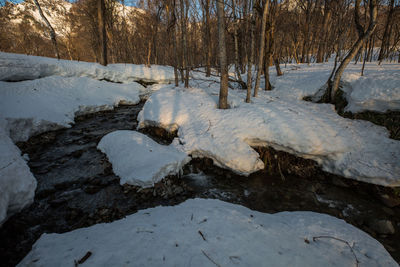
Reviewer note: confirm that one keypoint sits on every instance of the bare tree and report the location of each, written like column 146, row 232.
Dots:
column 363, row 35
column 102, row 31
column 262, row 44
column 223, row 92
column 236, row 41
column 324, row 32
column 52, row 33
column 208, row 38
column 252, row 23
column 386, row 35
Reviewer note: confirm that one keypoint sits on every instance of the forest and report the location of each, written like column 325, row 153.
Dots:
column 200, row 132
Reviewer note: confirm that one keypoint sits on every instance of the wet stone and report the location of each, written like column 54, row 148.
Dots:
column 383, row 227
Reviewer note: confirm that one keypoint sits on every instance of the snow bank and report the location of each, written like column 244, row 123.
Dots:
column 33, row 107
column 378, row 90
column 138, row 160
column 17, row 184
column 202, row 232
column 17, row 67
column 351, row 148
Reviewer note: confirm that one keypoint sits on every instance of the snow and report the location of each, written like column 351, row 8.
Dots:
column 378, row 90
column 16, row 67
column 33, row 107
column 351, row 148
column 17, row 184
column 138, row 160
column 50, row 102
column 202, row 232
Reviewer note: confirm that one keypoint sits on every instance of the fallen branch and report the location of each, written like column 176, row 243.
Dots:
column 83, row 259
column 208, row 257
column 341, row 240
column 202, row 235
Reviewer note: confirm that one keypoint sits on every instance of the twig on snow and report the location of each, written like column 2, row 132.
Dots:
column 341, row 240
column 7, row 165
column 208, row 257
column 83, row 259
column 202, row 235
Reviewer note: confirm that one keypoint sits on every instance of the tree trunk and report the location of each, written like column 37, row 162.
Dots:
column 278, row 67
column 223, row 92
column 102, row 31
column 324, row 33
column 50, row 28
column 208, row 40
column 170, row 8
column 148, row 55
column 262, row 44
column 235, row 38
column 184, row 44
column 386, row 35
column 251, row 59
column 357, row 45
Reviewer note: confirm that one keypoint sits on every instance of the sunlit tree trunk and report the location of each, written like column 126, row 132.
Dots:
column 363, row 36
column 252, row 23
column 208, row 39
column 324, row 33
column 102, row 31
column 223, row 92
column 386, row 35
column 50, row 28
column 262, row 45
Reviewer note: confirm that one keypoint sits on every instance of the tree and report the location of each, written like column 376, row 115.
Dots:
column 262, row 44
column 52, row 33
column 324, row 33
column 208, row 38
column 102, row 32
column 236, row 42
column 223, row 92
column 252, row 23
column 333, row 85
column 386, row 35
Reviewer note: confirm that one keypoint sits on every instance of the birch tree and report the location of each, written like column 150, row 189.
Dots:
column 52, row 33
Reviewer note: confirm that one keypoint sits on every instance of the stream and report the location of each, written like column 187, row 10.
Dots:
column 77, row 188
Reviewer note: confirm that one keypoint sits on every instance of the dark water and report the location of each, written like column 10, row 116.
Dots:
column 77, row 188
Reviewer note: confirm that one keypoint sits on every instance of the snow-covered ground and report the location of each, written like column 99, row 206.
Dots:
column 378, row 90
column 138, row 160
column 205, row 232
column 36, row 106
column 17, row 184
column 51, row 94
column 352, row 148
column 16, row 67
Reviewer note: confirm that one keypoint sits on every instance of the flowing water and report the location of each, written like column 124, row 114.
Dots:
column 77, row 188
